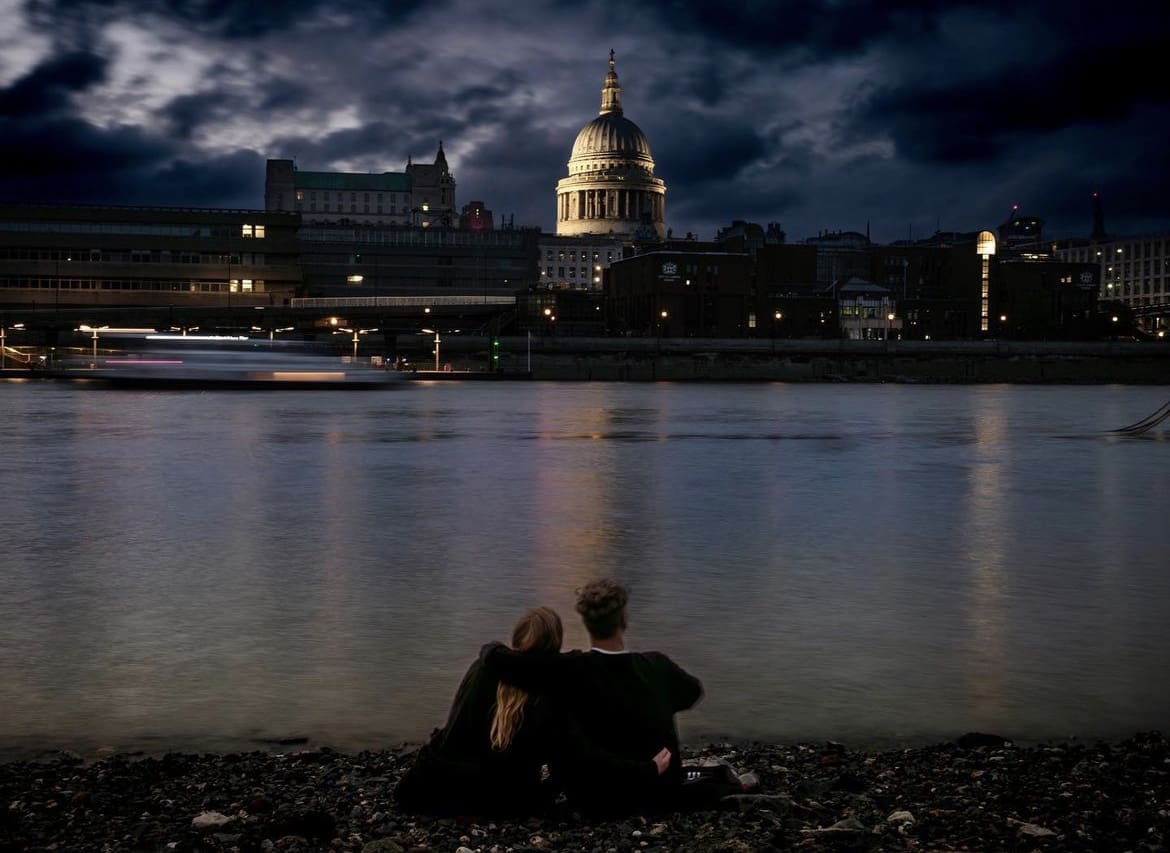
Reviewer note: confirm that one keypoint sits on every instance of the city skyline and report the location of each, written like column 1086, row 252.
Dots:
column 820, row 116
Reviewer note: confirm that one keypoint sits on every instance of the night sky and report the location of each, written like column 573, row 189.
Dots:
column 906, row 115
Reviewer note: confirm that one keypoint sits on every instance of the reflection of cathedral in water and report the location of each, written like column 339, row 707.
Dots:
column 611, row 186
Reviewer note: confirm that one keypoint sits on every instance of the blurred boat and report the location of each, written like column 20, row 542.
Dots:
column 206, row 368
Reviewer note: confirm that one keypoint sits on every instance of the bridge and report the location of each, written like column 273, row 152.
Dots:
column 308, row 316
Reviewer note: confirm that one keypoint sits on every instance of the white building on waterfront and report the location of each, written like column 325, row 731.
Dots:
column 1134, row 270
column 576, row 263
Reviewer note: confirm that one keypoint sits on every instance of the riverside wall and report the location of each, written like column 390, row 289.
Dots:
column 691, row 359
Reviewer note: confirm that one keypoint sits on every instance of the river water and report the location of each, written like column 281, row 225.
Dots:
column 872, row 563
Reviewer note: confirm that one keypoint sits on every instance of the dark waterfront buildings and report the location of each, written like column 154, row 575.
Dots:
column 748, row 284
column 61, row 256
column 839, row 285
column 371, row 261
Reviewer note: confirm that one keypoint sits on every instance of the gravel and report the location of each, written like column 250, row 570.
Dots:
column 979, row 792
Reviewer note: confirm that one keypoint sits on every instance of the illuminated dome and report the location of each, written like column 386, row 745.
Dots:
column 611, row 188
column 611, row 135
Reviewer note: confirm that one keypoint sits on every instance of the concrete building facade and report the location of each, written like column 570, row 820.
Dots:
column 1134, row 271
column 64, row 256
column 576, row 263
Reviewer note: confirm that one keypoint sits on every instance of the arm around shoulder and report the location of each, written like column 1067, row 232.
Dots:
column 533, row 671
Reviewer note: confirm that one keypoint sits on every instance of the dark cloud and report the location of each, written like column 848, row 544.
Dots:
column 47, row 153
column 281, row 94
column 47, row 88
column 68, row 150
column 231, row 19
column 700, row 151
column 975, row 119
column 188, row 113
column 820, row 27
column 377, row 140
column 816, row 113
column 229, row 180
column 69, row 161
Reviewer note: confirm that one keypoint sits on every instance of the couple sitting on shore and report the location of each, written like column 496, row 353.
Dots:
column 601, row 722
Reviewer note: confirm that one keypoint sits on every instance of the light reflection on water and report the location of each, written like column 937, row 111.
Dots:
column 864, row 562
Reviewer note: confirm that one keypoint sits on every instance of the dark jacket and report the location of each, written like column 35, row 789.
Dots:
column 622, row 708
column 458, row 772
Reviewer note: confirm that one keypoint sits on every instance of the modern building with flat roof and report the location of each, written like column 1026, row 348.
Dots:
column 54, row 255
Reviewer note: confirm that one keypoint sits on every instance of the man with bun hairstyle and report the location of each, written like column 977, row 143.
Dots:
column 623, row 704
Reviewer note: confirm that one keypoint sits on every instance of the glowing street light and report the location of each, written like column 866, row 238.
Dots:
column 357, row 333
column 434, row 332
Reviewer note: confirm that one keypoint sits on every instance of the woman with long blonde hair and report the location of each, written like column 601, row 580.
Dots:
column 488, row 758
column 539, row 630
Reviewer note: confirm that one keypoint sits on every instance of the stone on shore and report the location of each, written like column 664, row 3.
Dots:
column 981, row 795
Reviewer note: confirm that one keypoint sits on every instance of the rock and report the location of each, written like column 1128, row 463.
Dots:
column 900, row 817
column 974, row 740
column 382, row 845
column 845, row 825
column 207, row 821
column 734, row 845
column 1031, row 829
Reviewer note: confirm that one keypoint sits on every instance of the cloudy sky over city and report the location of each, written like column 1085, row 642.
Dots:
column 817, row 114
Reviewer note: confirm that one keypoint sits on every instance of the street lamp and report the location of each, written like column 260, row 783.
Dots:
column 889, row 320
column 434, row 332
column 357, row 333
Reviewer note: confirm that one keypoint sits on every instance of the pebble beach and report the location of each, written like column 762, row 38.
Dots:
column 979, row 792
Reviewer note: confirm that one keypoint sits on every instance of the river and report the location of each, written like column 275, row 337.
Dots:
column 871, row 563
